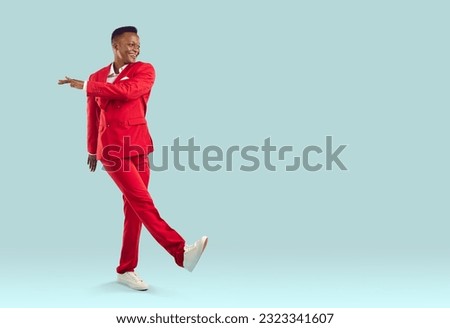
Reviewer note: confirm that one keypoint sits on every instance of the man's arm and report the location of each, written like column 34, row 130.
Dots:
column 93, row 117
column 132, row 88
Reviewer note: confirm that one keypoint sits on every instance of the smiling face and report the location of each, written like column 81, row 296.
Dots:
column 126, row 48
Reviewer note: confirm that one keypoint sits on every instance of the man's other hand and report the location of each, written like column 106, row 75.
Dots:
column 92, row 162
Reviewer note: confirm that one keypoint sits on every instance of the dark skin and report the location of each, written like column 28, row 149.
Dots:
column 126, row 48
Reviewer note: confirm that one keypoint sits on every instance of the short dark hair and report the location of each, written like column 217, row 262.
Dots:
column 121, row 30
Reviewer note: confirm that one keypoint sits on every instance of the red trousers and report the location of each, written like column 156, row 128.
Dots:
column 132, row 176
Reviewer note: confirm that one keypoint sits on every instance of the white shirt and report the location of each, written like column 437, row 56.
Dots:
column 112, row 75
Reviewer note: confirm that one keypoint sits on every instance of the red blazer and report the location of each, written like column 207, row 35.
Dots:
column 116, row 124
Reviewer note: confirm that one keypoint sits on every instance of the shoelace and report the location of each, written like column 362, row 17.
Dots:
column 188, row 248
column 135, row 277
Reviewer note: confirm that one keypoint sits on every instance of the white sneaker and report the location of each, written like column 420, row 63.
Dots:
column 192, row 253
column 132, row 280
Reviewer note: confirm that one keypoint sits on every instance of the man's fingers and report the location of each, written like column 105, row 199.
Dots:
column 92, row 162
column 66, row 80
column 74, row 83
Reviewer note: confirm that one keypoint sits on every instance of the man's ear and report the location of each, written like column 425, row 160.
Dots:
column 115, row 46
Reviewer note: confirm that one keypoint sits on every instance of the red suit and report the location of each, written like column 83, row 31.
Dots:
column 117, row 133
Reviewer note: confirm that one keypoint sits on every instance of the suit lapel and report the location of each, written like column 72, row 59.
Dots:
column 103, row 74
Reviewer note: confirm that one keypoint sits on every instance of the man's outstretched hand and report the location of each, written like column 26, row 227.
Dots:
column 92, row 162
column 77, row 84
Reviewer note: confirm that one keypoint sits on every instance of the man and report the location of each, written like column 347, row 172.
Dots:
column 118, row 136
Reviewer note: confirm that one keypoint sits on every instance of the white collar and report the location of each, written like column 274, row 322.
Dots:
column 111, row 70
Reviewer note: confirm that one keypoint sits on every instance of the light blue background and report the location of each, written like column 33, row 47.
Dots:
column 372, row 74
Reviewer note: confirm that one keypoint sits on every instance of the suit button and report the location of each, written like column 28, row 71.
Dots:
column 107, row 125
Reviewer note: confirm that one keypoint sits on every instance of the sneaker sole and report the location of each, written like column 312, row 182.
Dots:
column 205, row 242
column 135, row 288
